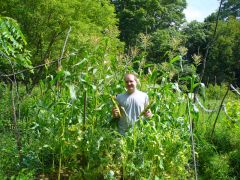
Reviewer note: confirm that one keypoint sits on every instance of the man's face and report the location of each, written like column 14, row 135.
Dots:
column 130, row 83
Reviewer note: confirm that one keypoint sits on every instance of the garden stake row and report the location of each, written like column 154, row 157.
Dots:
column 16, row 131
column 192, row 139
column 220, row 107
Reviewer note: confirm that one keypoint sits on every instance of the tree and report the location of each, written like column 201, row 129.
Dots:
column 13, row 52
column 138, row 16
column 223, row 61
column 197, row 35
column 165, row 45
column 45, row 24
column 230, row 8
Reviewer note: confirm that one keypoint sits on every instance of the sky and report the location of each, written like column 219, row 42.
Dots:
column 200, row 9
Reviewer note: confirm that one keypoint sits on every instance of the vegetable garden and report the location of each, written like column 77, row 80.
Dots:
column 66, row 130
column 61, row 127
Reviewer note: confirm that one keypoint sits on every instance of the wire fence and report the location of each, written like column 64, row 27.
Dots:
column 223, row 107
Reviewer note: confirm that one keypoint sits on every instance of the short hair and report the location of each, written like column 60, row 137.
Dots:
column 134, row 75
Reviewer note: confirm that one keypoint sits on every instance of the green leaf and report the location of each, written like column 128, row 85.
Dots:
column 176, row 58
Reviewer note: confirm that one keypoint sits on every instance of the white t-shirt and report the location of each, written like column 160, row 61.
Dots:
column 133, row 105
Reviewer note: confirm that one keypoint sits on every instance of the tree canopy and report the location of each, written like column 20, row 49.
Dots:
column 230, row 8
column 156, row 29
column 13, row 52
column 137, row 16
column 223, row 61
column 45, row 25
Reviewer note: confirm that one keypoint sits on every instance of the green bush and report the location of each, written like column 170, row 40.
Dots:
column 234, row 161
column 217, row 168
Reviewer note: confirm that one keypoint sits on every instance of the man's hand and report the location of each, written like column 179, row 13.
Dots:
column 115, row 112
column 148, row 114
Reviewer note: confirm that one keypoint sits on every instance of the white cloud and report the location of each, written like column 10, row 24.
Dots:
column 193, row 14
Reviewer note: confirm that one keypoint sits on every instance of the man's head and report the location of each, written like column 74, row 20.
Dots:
column 130, row 82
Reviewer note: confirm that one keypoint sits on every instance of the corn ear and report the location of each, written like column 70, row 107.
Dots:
column 146, row 108
column 114, row 101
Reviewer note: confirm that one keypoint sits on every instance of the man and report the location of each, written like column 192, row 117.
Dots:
column 132, row 104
